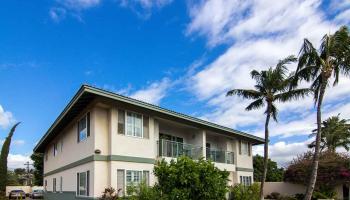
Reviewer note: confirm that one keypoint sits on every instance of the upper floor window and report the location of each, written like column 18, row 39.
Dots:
column 245, row 148
column 133, row 124
column 84, row 127
column 55, row 149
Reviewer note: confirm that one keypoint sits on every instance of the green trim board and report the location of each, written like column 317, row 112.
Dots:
column 242, row 169
column 66, row 195
column 102, row 158
column 86, row 90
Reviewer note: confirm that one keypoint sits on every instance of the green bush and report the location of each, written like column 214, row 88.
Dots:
column 143, row 192
column 187, row 179
column 241, row 192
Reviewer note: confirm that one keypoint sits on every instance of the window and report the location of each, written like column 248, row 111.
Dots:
column 84, row 128
column 120, row 181
column 244, row 148
column 134, row 124
column 55, row 149
column 54, row 185
column 61, row 145
column 246, row 180
column 61, row 183
column 145, row 177
column 83, row 183
column 133, row 177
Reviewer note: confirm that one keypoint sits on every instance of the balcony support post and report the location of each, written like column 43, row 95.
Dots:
column 204, row 144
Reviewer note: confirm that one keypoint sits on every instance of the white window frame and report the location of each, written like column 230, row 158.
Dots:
column 126, row 184
column 84, row 130
column 126, row 124
column 133, row 172
column 86, row 183
column 243, row 143
column 246, row 180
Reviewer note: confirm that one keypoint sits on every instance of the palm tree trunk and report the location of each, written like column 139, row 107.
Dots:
column 313, row 177
column 266, row 154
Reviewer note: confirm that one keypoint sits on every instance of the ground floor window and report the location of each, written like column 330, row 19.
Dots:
column 61, row 183
column 246, row 180
column 83, row 183
column 54, row 185
column 130, row 177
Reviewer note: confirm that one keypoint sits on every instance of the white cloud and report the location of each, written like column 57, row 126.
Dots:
column 283, row 152
column 6, row 118
column 147, row 3
column 17, row 161
column 261, row 33
column 153, row 93
column 79, row 4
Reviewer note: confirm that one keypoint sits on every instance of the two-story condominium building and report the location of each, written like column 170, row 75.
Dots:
column 102, row 139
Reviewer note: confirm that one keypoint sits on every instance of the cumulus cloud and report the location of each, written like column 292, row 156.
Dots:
column 17, row 161
column 153, row 93
column 6, row 118
column 74, row 8
column 258, row 34
column 283, row 152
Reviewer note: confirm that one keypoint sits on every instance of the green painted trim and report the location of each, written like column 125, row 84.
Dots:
column 66, row 195
column 89, row 89
column 242, row 169
column 131, row 159
column 102, row 158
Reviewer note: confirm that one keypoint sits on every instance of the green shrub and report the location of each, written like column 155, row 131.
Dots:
column 241, row 192
column 143, row 192
column 187, row 179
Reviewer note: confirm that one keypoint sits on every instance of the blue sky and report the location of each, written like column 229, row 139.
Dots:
column 183, row 55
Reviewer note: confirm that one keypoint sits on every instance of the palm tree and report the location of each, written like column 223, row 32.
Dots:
column 335, row 132
column 333, row 58
column 272, row 86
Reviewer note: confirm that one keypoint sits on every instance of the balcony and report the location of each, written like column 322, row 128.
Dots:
column 167, row 148
column 220, row 156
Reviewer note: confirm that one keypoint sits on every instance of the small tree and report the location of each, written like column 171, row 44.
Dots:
column 187, row 179
column 3, row 159
column 274, row 173
column 334, row 169
column 38, row 165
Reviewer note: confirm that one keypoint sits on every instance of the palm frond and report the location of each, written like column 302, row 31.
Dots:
column 247, row 94
column 255, row 104
column 294, row 94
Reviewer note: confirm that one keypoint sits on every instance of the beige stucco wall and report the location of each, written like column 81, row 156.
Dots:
column 72, row 150
column 243, row 161
column 104, row 136
column 70, row 178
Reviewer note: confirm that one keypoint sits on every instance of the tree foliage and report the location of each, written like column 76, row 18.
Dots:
column 274, row 173
column 187, row 179
column 241, row 192
column 38, row 159
column 335, row 132
column 318, row 67
column 3, row 158
column 272, row 86
column 334, row 169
